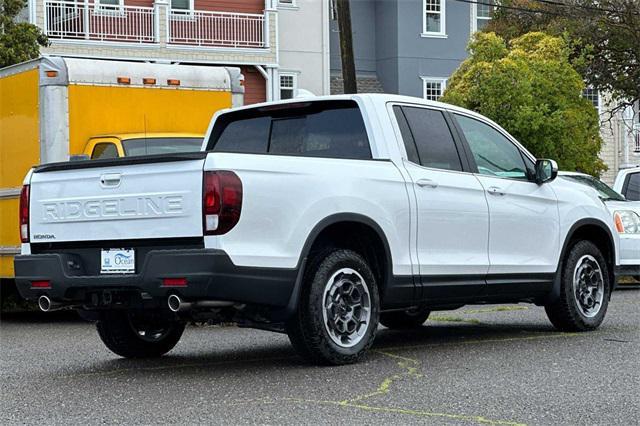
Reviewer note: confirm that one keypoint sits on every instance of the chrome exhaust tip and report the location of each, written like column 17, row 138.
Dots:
column 44, row 303
column 174, row 303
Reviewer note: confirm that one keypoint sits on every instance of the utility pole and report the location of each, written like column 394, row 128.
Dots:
column 346, row 46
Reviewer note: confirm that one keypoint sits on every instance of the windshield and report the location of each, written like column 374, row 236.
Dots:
column 604, row 191
column 150, row 146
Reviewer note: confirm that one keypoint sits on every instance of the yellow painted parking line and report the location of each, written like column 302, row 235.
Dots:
column 409, row 370
column 417, row 413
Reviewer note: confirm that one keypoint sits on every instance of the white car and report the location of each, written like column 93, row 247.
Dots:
column 626, row 217
column 628, row 183
column 316, row 217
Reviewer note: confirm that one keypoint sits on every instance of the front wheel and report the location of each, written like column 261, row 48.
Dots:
column 337, row 314
column 134, row 335
column 585, row 287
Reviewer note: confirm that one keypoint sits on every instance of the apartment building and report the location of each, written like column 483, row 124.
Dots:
column 411, row 47
column 259, row 36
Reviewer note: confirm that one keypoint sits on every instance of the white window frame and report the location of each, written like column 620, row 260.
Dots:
column 475, row 17
column 599, row 107
column 425, row 80
column 443, row 21
column 190, row 9
column 183, row 14
column 333, row 10
column 100, row 9
column 291, row 4
column 294, row 78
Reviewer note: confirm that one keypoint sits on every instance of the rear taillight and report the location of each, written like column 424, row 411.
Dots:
column 221, row 202
column 24, row 214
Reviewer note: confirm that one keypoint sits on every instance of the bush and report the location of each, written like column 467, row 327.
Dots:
column 529, row 87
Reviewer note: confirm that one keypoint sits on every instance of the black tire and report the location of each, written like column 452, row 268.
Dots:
column 306, row 329
column 120, row 332
column 566, row 313
column 403, row 320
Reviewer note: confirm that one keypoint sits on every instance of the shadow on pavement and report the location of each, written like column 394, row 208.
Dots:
column 281, row 355
column 40, row 317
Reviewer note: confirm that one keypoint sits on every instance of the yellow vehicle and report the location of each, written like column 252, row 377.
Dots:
column 52, row 107
column 133, row 144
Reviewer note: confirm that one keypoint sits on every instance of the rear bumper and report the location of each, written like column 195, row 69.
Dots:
column 210, row 275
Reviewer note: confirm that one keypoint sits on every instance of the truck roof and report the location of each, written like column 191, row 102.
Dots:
column 154, row 135
column 372, row 97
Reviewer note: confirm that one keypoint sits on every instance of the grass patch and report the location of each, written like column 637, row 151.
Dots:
column 495, row 309
column 441, row 318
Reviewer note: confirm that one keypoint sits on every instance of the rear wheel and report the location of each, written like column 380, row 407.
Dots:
column 585, row 288
column 338, row 311
column 412, row 318
column 133, row 335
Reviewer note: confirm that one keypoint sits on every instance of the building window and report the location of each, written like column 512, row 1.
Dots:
column 433, row 18
column 110, row 4
column 482, row 13
column 592, row 95
column 108, row 7
column 288, row 86
column 433, row 88
column 181, row 5
column 287, row 3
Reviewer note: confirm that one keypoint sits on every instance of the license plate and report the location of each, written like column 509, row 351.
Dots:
column 117, row 261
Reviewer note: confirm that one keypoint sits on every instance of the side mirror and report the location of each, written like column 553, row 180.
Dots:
column 546, row 171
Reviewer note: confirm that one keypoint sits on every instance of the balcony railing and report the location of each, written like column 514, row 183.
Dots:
column 93, row 21
column 77, row 20
column 220, row 29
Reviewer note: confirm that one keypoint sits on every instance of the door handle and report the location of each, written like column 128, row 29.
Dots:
column 427, row 183
column 494, row 190
column 110, row 180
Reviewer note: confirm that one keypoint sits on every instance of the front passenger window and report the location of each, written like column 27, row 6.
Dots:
column 495, row 155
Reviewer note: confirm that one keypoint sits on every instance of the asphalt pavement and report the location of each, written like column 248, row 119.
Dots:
column 477, row 365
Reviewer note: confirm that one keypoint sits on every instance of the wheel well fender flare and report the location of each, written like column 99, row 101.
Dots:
column 555, row 291
column 313, row 236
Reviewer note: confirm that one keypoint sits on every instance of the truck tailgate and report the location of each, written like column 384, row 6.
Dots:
column 120, row 200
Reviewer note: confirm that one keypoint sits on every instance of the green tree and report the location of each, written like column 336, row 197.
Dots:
column 19, row 41
column 603, row 35
column 530, row 88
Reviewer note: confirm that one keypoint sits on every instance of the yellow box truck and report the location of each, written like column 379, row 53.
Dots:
column 51, row 107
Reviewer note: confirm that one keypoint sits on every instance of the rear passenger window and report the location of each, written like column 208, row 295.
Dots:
column 407, row 138
column 631, row 189
column 334, row 133
column 434, row 142
column 330, row 129
column 104, row 151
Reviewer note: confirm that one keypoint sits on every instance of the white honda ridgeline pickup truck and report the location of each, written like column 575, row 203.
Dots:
column 319, row 218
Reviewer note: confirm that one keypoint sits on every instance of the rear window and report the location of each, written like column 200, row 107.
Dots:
column 150, row 146
column 329, row 129
column 631, row 188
